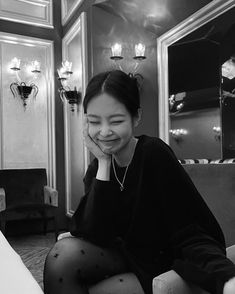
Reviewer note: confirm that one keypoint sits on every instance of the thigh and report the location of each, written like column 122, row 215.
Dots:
column 76, row 258
column 126, row 283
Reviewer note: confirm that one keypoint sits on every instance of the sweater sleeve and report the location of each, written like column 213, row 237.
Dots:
column 93, row 219
column 195, row 235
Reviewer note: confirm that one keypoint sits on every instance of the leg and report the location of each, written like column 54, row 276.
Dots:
column 126, row 283
column 73, row 264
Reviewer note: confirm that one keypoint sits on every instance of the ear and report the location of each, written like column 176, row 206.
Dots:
column 137, row 118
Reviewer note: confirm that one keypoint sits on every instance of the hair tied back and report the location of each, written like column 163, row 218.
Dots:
column 138, row 79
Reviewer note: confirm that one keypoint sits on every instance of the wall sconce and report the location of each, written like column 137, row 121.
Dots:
column 178, row 134
column 176, row 102
column 21, row 88
column 72, row 96
column 217, row 132
column 116, row 50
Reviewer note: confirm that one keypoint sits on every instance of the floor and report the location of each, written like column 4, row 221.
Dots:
column 33, row 250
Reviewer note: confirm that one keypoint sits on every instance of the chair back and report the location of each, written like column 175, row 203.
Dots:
column 216, row 183
column 23, row 186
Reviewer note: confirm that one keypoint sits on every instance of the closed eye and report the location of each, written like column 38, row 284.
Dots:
column 116, row 122
column 94, row 122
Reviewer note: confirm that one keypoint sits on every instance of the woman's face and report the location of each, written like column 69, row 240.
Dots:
column 110, row 123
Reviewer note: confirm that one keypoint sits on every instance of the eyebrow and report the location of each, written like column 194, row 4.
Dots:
column 111, row 116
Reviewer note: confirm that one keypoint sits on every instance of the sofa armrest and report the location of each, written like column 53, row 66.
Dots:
column 50, row 196
column 14, row 275
column 171, row 283
column 2, row 199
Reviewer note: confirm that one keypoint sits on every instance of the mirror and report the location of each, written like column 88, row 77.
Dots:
column 192, row 108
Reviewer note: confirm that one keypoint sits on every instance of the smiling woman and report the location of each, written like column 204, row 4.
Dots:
column 134, row 187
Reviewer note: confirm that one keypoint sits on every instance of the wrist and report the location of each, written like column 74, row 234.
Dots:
column 103, row 172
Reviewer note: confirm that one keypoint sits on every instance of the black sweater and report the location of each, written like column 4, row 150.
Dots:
column 159, row 221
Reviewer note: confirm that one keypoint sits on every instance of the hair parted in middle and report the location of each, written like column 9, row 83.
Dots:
column 117, row 84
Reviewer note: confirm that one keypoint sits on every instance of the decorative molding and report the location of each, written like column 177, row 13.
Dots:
column 68, row 12
column 50, row 107
column 1, row 114
column 79, row 27
column 40, row 12
column 198, row 19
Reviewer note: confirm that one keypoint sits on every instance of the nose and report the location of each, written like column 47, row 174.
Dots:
column 105, row 131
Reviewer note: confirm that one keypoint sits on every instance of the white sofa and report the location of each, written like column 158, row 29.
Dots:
column 14, row 275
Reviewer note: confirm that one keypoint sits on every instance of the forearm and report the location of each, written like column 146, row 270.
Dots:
column 103, row 172
column 202, row 260
column 93, row 218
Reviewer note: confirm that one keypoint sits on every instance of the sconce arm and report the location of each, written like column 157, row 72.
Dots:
column 13, row 89
column 35, row 89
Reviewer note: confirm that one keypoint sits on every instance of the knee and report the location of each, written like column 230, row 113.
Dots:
column 65, row 251
column 61, row 264
column 63, row 257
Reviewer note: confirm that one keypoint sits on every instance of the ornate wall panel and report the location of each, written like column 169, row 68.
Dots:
column 76, row 155
column 27, row 134
column 68, row 7
column 34, row 12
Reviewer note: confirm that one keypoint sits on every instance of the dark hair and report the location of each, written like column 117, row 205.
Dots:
column 118, row 84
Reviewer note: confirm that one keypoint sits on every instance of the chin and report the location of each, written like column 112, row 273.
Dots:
column 108, row 152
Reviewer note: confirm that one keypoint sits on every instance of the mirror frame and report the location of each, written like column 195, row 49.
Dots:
column 67, row 13
column 196, row 20
column 11, row 14
column 79, row 27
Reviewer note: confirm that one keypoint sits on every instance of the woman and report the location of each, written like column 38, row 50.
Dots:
column 141, row 215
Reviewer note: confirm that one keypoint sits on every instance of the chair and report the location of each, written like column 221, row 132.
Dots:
column 24, row 195
column 171, row 283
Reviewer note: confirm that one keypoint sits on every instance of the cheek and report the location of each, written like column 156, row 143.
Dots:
column 126, row 131
column 92, row 131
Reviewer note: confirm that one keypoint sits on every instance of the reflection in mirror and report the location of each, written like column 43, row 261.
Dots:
column 228, row 76
column 198, row 83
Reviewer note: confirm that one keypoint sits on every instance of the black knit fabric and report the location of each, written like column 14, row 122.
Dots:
column 166, row 223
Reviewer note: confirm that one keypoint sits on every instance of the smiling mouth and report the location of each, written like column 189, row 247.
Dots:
column 107, row 141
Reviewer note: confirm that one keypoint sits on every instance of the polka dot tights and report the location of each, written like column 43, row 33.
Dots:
column 75, row 266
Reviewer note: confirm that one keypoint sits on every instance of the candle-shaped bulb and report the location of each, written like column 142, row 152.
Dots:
column 62, row 73
column 36, row 66
column 116, row 50
column 67, row 66
column 139, row 49
column 15, row 64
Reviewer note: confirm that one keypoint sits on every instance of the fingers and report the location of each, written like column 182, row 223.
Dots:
column 85, row 126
